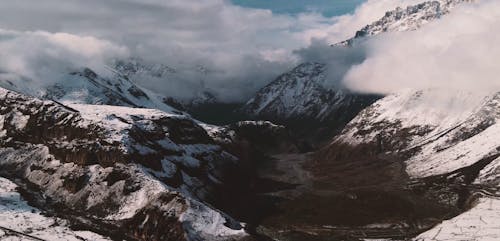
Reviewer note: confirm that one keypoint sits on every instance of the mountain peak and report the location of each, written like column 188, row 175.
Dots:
column 407, row 19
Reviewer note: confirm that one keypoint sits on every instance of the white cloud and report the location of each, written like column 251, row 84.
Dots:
column 460, row 51
column 43, row 56
column 244, row 48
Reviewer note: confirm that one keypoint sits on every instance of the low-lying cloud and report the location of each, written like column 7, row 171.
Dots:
column 242, row 48
column 44, row 57
column 459, row 51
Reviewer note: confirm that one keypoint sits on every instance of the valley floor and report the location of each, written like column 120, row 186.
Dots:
column 309, row 210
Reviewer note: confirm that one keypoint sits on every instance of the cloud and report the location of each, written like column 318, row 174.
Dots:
column 243, row 48
column 340, row 28
column 459, row 51
column 43, row 57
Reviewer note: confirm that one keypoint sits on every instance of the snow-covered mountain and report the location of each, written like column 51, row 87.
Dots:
column 137, row 70
column 301, row 96
column 119, row 171
column 407, row 19
column 85, row 86
column 301, row 93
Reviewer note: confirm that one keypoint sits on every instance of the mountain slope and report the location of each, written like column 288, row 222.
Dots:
column 118, row 171
column 437, row 131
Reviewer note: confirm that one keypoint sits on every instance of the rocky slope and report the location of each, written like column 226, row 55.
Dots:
column 120, row 172
column 439, row 144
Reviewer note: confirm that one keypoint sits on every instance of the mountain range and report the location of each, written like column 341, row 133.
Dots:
column 99, row 157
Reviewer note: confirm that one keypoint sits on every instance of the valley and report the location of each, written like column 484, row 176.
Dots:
column 96, row 155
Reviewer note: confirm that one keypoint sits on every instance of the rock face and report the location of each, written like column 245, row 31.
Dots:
column 121, row 172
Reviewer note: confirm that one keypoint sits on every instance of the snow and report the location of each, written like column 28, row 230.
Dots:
column 218, row 133
column 206, row 222
column 16, row 214
column 481, row 223
column 19, row 120
column 118, row 120
column 465, row 153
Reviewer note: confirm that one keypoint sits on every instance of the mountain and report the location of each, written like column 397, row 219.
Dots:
column 137, row 70
column 301, row 94
column 119, row 85
column 120, row 172
column 407, row 19
column 85, row 86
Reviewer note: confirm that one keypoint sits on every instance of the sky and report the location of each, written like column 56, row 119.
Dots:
column 241, row 45
column 328, row 8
